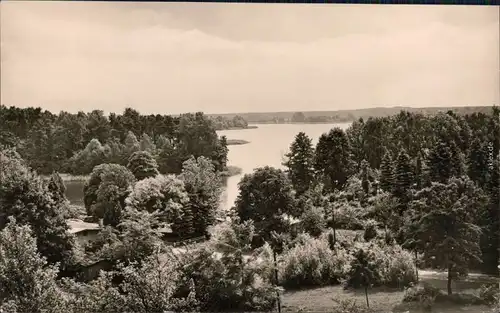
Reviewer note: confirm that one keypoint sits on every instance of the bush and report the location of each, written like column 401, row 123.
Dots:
column 394, row 265
column 312, row 263
column 313, row 221
column 399, row 268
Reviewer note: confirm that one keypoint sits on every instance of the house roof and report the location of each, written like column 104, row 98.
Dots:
column 76, row 226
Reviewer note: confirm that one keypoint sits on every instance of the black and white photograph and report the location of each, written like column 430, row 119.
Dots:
column 160, row 157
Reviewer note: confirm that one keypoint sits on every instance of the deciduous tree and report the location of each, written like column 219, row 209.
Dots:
column 142, row 165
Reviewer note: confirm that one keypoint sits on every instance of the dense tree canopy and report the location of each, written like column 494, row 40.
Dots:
column 76, row 143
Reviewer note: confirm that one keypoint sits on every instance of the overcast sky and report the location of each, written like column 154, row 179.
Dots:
column 217, row 58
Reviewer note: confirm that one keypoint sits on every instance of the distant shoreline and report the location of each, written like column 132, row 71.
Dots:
column 237, row 142
column 240, row 128
column 303, row 123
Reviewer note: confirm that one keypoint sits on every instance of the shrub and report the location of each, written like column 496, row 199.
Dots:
column 313, row 221
column 312, row 263
column 394, row 264
column 399, row 268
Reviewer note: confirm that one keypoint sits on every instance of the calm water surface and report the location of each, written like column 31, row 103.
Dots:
column 268, row 145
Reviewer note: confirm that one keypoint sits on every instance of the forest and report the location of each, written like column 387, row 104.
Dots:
column 363, row 209
column 76, row 143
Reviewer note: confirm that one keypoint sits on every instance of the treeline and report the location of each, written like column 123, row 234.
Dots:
column 223, row 123
column 75, row 143
column 344, row 116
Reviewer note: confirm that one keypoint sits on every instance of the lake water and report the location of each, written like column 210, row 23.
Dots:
column 268, row 145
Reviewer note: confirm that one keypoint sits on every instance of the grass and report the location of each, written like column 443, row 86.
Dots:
column 235, row 142
column 321, row 299
column 382, row 300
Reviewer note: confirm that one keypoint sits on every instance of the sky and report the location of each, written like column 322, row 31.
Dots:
column 171, row 58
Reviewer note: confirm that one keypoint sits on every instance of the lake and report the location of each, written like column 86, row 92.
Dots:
column 267, row 146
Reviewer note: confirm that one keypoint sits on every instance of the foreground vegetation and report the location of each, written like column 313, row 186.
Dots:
column 355, row 215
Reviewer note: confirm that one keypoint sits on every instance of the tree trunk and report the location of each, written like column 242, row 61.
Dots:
column 416, row 263
column 276, row 281
column 334, row 235
column 334, row 228
column 366, row 295
column 449, row 279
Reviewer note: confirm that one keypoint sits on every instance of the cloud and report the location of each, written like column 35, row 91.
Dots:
column 166, row 62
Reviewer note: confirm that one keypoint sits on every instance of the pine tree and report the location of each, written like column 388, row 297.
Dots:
column 333, row 159
column 440, row 162
column 446, row 226
column 300, row 163
column 419, row 172
column 387, row 172
column 362, row 273
column 403, row 176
